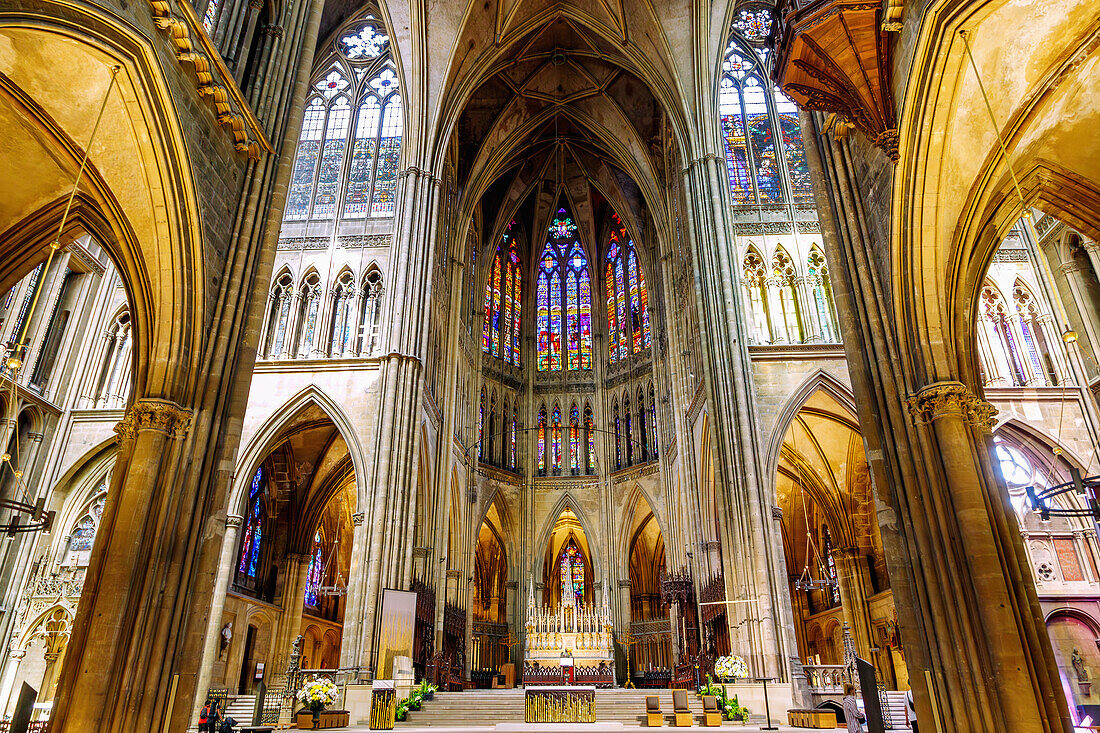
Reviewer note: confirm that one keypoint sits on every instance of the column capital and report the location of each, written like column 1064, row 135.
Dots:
column 942, row 399
column 161, row 416
column 624, row 583
column 233, row 520
column 358, row 518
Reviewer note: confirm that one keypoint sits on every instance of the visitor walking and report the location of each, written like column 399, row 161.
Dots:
column 208, row 717
column 852, row 715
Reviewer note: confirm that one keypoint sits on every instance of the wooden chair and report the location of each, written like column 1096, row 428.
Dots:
column 711, row 715
column 680, row 708
column 653, row 716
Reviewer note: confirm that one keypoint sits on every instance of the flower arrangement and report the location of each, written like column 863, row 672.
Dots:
column 730, row 707
column 318, row 693
column 731, row 667
column 415, row 700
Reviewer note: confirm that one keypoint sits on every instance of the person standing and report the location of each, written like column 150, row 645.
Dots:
column 852, row 716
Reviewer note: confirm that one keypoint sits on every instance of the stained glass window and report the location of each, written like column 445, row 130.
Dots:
column 590, row 440
column 563, row 258
column 384, row 202
column 817, row 270
column 574, row 439
column 365, row 42
column 652, row 423
column 83, row 533
column 541, row 437
column 618, row 437
column 314, row 572
column 512, row 462
column 363, row 151
column 481, row 427
column 330, row 172
column 350, row 145
column 627, row 297
column 555, row 438
column 765, row 157
column 830, row 566
column 210, row 16
column 572, row 572
column 628, row 436
column 500, row 335
column 252, row 536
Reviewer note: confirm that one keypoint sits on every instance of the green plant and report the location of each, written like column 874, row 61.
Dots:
column 415, row 700
column 402, row 710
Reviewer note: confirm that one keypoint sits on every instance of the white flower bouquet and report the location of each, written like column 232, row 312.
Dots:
column 730, row 667
column 318, row 693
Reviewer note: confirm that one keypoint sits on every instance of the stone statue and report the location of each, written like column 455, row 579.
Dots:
column 1079, row 667
column 227, row 636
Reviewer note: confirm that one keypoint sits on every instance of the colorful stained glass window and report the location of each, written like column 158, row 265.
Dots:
column 481, row 427
column 384, row 201
column 332, row 159
column 363, row 148
column 618, row 438
column 555, row 438
column 793, row 151
column 500, row 333
column 628, row 436
column 349, row 148
column 627, row 298
column 315, row 572
column 300, row 191
column 566, row 339
column 512, row 462
column 210, row 16
column 574, row 440
column 830, row 566
column 494, row 328
column 590, row 434
column 252, row 537
column 543, row 322
column 760, row 129
column 540, row 435
column 572, row 572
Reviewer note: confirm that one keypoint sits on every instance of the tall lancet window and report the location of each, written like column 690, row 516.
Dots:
column 555, row 439
column 350, row 145
column 627, row 297
column 765, row 157
column 571, row 563
column 817, row 271
column 564, row 300
column 541, row 437
column 574, row 440
column 314, row 572
column 253, row 533
column 500, row 335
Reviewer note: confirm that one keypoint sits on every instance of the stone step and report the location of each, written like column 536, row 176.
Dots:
column 477, row 707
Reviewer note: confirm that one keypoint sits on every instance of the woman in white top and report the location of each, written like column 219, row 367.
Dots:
column 852, row 716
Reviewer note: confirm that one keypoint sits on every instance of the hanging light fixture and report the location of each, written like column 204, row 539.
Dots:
column 806, row 581
column 19, row 513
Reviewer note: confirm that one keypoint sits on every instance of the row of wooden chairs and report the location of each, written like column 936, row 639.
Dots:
column 680, row 710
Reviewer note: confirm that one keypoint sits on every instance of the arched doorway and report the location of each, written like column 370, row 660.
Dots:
column 649, row 619
column 490, row 602
column 839, row 588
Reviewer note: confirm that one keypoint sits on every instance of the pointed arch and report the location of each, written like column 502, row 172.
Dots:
column 820, row 380
column 268, row 434
column 543, row 536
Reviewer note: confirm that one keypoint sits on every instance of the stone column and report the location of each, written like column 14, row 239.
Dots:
column 851, row 571
column 752, row 551
column 122, row 604
column 395, row 441
column 15, row 656
column 226, row 565
column 349, row 647
column 290, row 624
column 979, row 656
column 674, row 623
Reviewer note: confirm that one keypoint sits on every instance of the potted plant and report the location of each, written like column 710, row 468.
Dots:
column 317, row 694
column 730, row 667
column 415, row 700
column 402, row 710
column 427, row 691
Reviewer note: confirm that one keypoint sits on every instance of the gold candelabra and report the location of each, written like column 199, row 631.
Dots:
column 627, row 640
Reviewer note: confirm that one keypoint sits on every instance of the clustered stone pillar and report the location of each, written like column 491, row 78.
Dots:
column 851, row 571
column 226, row 566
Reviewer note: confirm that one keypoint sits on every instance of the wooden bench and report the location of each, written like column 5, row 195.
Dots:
column 816, row 718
